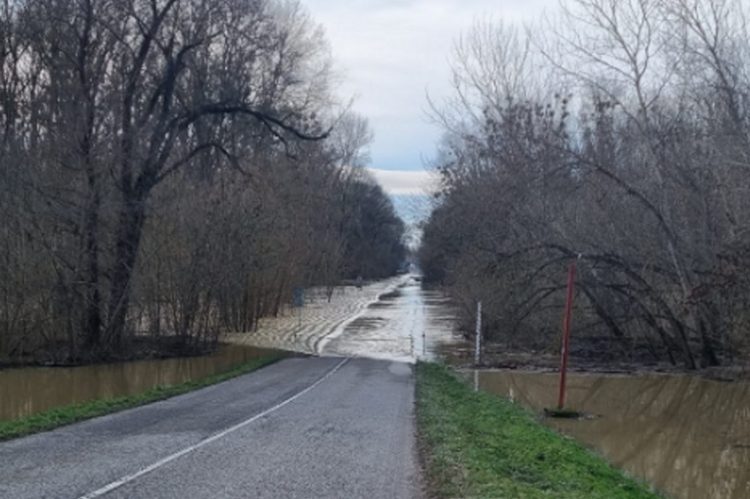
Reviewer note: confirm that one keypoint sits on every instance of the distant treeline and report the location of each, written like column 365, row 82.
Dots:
column 615, row 133
column 173, row 169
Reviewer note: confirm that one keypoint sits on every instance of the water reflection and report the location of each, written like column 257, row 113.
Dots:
column 406, row 324
column 30, row 390
column 689, row 437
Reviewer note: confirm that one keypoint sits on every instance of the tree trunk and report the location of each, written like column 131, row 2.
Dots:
column 129, row 232
column 92, row 315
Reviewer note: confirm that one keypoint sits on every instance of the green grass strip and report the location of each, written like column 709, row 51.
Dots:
column 476, row 445
column 73, row 413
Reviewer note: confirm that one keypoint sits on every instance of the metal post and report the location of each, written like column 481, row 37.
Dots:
column 478, row 335
column 566, row 334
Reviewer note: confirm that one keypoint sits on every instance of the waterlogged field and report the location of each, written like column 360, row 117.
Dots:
column 690, row 437
column 31, row 390
column 477, row 445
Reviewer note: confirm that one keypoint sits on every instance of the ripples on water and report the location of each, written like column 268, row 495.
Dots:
column 406, row 324
column 690, row 437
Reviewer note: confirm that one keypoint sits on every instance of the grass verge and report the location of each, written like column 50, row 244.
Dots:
column 475, row 445
column 73, row 413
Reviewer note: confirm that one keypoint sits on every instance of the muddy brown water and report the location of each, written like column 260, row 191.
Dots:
column 391, row 328
column 687, row 436
column 26, row 391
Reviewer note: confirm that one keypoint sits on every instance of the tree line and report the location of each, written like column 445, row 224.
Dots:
column 615, row 133
column 172, row 169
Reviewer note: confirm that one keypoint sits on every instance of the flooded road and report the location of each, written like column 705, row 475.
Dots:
column 689, row 437
column 26, row 391
column 406, row 324
column 393, row 319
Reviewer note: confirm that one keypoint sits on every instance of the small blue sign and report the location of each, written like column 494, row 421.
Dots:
column 298, row 297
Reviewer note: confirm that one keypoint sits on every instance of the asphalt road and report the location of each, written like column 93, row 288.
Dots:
column 303, row 427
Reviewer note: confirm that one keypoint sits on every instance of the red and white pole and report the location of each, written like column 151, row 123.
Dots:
column 566, row 333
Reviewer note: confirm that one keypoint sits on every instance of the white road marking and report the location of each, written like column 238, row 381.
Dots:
column 158, row 464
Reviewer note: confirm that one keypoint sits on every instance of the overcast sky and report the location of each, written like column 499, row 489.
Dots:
column 391, row 52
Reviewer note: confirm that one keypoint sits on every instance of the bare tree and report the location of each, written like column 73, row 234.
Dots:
column 632, row 160
column 171, row 170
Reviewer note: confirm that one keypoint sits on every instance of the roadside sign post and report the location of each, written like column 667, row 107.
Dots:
column 567, row 318
column 298, row 302
column 478, row 335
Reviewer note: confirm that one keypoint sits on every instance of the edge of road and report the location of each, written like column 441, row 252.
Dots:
column 216, row 436
column 74, row 413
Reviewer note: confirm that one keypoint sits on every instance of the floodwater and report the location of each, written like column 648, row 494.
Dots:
column 406, row 324
column 26, row 391
column 687, row 436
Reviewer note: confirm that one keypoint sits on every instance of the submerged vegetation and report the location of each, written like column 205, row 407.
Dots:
column 173, row 168
column 478, row 445
column 617, row 135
